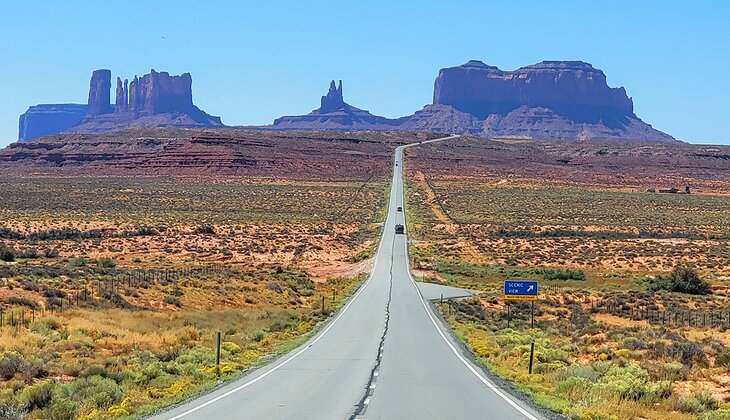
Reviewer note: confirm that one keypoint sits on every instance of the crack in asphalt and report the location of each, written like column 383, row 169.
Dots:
column 370, row 386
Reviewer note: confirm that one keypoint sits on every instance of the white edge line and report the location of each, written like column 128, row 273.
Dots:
column 471, row 368
column 306, row 346
column 334, row 321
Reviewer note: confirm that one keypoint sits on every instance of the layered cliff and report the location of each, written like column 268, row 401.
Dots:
column 157, row 99
column 46, row 119
column 551, row 100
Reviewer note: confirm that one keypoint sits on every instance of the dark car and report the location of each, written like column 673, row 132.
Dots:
column 399, row 229
column 400, row 208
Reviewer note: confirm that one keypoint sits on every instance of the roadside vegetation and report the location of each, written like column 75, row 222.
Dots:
column 633, row 319
column 112, row 290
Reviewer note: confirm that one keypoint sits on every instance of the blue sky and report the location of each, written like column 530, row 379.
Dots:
column 254, row 61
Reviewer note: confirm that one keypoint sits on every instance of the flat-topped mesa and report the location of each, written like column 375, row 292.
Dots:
column 99, row 100
column 333, row 100
column 574, row 89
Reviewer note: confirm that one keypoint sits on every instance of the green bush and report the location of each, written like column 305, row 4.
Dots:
column 59, row 409
column 682, row 280
column 562, row 274
column 37, row 396
column 205, row 230
column 95, row 390
column 10, row 364
column 172, row 300
column 723, row 360
column 630, row 382
column 673, row 371
column 6, row 254
column 230, row 347
column 697, row 402
column 106, row 263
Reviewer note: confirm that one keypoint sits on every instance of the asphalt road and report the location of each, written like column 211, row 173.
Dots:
column 385, row 355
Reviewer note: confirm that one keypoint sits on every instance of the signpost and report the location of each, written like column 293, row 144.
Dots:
column 520, row 290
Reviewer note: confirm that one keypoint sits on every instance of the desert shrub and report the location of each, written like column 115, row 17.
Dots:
column 697, row 402
column 37, row 396
column 571, row 387
column 28, row 253
column 205, row 230
column 275, row 287
column 59, row 409
column 45, row 325
column 94, row 370
column 258, row 336
column 723, row 360
column 172, row 300
column 579, row 317
column 100, row 392
column 106, row 263
column 690, row 353
column 77, row 262
column 562, row 274
column 14, row 300
column 230, row 347
column 50, row 252
column 584, row 372
column 54, row 293
column 662, row 389
column 633, row 343
column 673, row 371
column 721, row 414
column 683, row 280
column 144, row 231
column 10, row 364
column 630, row 382
column 6, row 254
column 10, row 410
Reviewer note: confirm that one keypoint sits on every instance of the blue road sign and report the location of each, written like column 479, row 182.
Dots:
column 520, row 289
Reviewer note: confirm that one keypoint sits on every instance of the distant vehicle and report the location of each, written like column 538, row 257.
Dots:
column 400, row 208
column 399, row 230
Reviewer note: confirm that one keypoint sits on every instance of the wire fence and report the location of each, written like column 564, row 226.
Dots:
column 21, row 312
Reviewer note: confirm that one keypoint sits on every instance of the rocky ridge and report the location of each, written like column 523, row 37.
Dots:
column 156, row 99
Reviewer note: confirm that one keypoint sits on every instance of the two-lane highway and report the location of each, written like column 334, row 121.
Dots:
column 384, row 356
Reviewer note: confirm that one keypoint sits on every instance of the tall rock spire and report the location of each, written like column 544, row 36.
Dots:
column 121, row 101
column 99, row 92
column 333, row 100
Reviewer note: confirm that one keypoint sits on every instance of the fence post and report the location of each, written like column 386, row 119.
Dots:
column 532, row 355
column 509, row 314
column 218, row 352
column 532, row 315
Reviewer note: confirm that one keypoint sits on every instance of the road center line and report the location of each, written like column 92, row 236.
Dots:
column 471, row 368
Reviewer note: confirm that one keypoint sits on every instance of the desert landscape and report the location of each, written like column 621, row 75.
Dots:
column 113, row 287
column 613, row 338
column 360, row 210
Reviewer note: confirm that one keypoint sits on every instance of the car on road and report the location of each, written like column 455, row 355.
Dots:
column 400, row 208
column 399, row 229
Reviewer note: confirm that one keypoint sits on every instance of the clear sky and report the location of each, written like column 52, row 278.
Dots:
column 253, row 61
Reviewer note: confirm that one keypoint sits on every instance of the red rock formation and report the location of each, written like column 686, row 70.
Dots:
column 333, row 100
column 571, row 88
column 154, row 100
column 99, row 92
column 335, row 114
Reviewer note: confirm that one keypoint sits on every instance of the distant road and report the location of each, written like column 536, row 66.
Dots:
column 385, row 355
